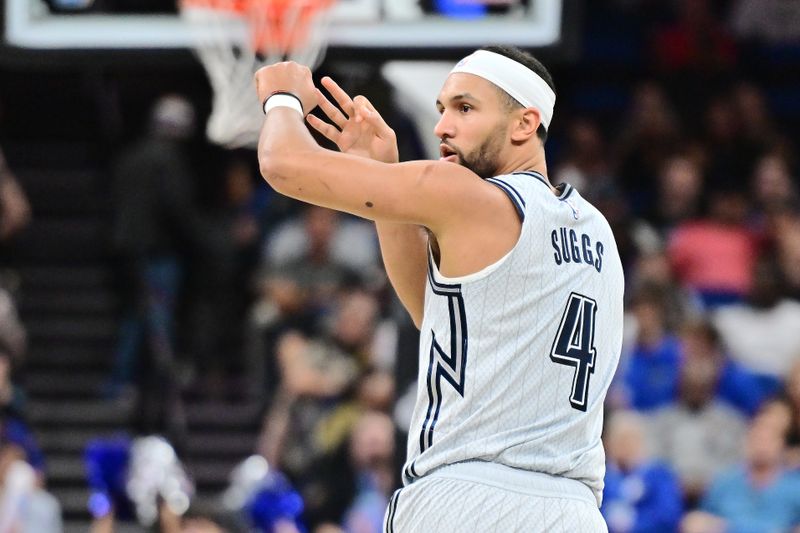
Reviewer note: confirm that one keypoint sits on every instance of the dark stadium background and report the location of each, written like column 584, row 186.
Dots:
column 678, row 121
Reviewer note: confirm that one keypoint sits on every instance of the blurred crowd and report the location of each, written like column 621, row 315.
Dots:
column 24, row 499
column 699, row 180
column 287, row 304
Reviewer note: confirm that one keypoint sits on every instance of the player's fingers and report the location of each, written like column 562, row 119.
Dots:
column 327, row 130
column 373, row 118
column 341, row 97
column 331, row 110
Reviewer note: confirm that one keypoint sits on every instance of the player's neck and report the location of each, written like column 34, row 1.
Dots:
column 529, row 162
column 521, row 161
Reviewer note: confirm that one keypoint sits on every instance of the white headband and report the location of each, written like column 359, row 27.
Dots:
column 523, row 84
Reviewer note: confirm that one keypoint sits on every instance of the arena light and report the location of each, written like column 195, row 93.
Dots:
column 72, row 5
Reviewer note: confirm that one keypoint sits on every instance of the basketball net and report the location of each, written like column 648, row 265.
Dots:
column 234, row 38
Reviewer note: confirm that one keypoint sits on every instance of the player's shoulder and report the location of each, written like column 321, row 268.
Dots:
column 526, row 188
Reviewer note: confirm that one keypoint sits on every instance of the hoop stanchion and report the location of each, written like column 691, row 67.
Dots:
column 234, row 38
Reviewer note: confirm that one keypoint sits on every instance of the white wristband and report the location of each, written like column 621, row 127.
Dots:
column 283, row 100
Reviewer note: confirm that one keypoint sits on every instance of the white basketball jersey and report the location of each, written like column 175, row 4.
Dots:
column 515, row 360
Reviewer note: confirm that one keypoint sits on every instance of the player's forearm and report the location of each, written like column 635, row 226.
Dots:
column 403, row 249
column 284, row 144
column 294, row 165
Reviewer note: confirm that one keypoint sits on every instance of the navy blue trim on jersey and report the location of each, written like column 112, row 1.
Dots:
column 534, row 174
column 410, row 474
column 566, row 191
column 451, row 367
column 513, row 195
column 391, row 510
column 508, row 188
column 565, row 188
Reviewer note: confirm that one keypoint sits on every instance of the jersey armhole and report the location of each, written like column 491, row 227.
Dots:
column 513, row 195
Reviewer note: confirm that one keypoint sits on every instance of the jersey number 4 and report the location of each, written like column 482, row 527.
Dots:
column 574, row 345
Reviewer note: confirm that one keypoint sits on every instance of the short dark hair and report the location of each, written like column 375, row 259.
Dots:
column 524, row 58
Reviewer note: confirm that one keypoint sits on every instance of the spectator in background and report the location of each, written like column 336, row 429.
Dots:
column 651, row 370
column 760, row 495
column 791, row 393
column 14, row 429
column 680, row 182
column 650, row 134
column 156, row 225
column 15, row 210
column 586, row 165
column 641, row 494
column 326, row 383
column 285, row 301
column 729, row 162
column 372, row 459
column 784, row 234
column 13, row 337
column 653, row 268
column 738, row 387
column 762, row 333
column 772, row 184
column 221, row 286
column 697, row 434
column 25, row 507
column 319, row 376
column 323, row 236
column 715, row 256
column 758, row 131
column 779, row 412
column 632, row 234
column 305, row 263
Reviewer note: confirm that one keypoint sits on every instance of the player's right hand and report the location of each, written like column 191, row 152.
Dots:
column 288, row 77
column 360, row 130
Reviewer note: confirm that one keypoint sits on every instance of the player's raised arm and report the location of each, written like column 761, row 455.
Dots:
column 294, row 165
column 360, row 130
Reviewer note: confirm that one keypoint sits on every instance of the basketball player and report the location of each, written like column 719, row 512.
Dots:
column 516, row 286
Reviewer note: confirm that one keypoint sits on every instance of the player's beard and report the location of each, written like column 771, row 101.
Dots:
column 485, row 159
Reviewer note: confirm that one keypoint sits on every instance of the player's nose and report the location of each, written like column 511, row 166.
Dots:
column 444, row 128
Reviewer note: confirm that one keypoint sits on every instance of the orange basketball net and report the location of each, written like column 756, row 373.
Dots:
column 233, row 38
column 276, row 26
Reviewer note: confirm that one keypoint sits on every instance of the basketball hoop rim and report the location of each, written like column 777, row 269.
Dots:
column 243, row 7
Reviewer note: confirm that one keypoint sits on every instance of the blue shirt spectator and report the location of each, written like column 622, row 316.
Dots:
column 641, row 495
column 652, row 375
column 651, row 378
column 737, row 386
column 646, row 499
column 743, row 389
column 14, row 431
column 760, row 496
column 750, row 509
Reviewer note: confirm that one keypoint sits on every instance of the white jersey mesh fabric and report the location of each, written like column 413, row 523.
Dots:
column 515, row 360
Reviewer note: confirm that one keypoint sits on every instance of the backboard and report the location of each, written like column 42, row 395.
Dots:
column 408, row 25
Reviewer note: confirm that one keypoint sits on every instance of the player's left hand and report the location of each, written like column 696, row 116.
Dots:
column 290, row 77
column 359, row 130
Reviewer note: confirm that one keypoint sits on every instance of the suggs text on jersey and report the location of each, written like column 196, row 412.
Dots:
column 571, row 248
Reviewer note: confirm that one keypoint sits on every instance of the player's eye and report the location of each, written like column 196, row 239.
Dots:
column 465, row 108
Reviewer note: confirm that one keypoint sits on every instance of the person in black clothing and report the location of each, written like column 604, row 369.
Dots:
column 156, row 223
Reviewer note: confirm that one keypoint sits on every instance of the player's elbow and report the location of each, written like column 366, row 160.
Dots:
column 274, row 169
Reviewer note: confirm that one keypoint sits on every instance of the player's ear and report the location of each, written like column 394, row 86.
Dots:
column 526, row 122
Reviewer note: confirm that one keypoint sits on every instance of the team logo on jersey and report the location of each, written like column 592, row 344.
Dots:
column 442, row 365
